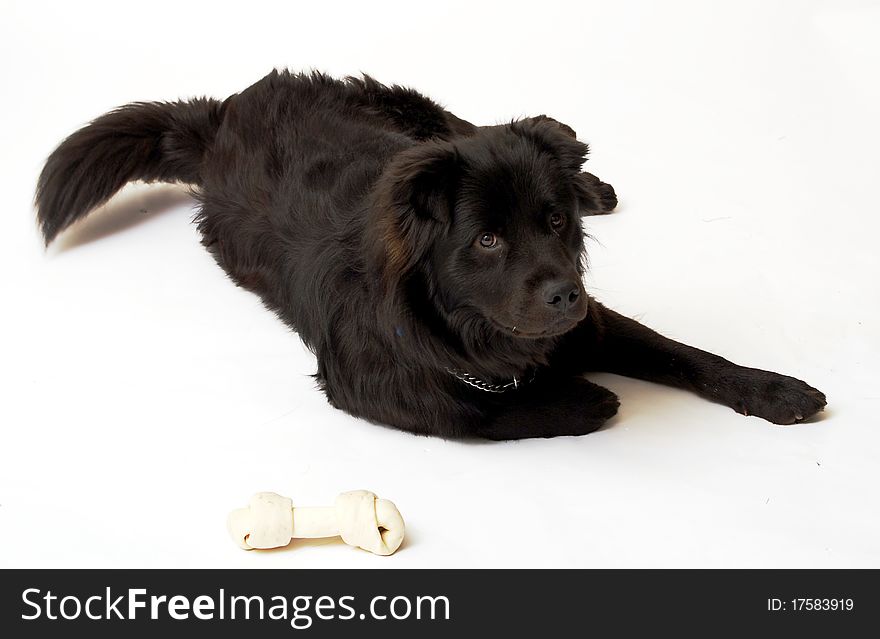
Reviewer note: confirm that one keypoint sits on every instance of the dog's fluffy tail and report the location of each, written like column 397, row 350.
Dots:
column 149, row 141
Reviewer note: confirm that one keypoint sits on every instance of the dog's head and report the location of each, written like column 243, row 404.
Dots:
column 490, row 224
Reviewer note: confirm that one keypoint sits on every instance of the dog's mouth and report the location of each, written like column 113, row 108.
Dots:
column 559, row 327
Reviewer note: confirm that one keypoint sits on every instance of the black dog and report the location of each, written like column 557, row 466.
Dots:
column 433, row 266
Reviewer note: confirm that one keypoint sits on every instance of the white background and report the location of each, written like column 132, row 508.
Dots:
column 144, row 396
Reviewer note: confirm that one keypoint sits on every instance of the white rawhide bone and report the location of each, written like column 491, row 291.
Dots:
column 359, row 517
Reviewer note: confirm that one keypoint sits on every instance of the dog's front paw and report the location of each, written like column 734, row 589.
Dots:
column 778, row 398
column 603, row 404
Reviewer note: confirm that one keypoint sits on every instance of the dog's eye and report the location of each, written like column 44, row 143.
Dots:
column 488, row 240
column 557, row 221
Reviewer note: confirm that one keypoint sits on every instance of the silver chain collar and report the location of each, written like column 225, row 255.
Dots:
column 479, row 384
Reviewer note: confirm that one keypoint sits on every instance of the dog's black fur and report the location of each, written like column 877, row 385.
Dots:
column 406, row 245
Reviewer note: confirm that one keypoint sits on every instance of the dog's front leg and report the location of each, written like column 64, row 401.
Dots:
column 617, row 344
column 550, row 406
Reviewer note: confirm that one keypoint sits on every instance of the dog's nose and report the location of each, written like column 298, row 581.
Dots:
column 561, row 294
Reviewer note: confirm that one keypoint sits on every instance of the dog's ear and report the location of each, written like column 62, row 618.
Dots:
column 564, row 128
column 594, row 197
column 414, row 204
column 556, row 139
column 422, row 181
